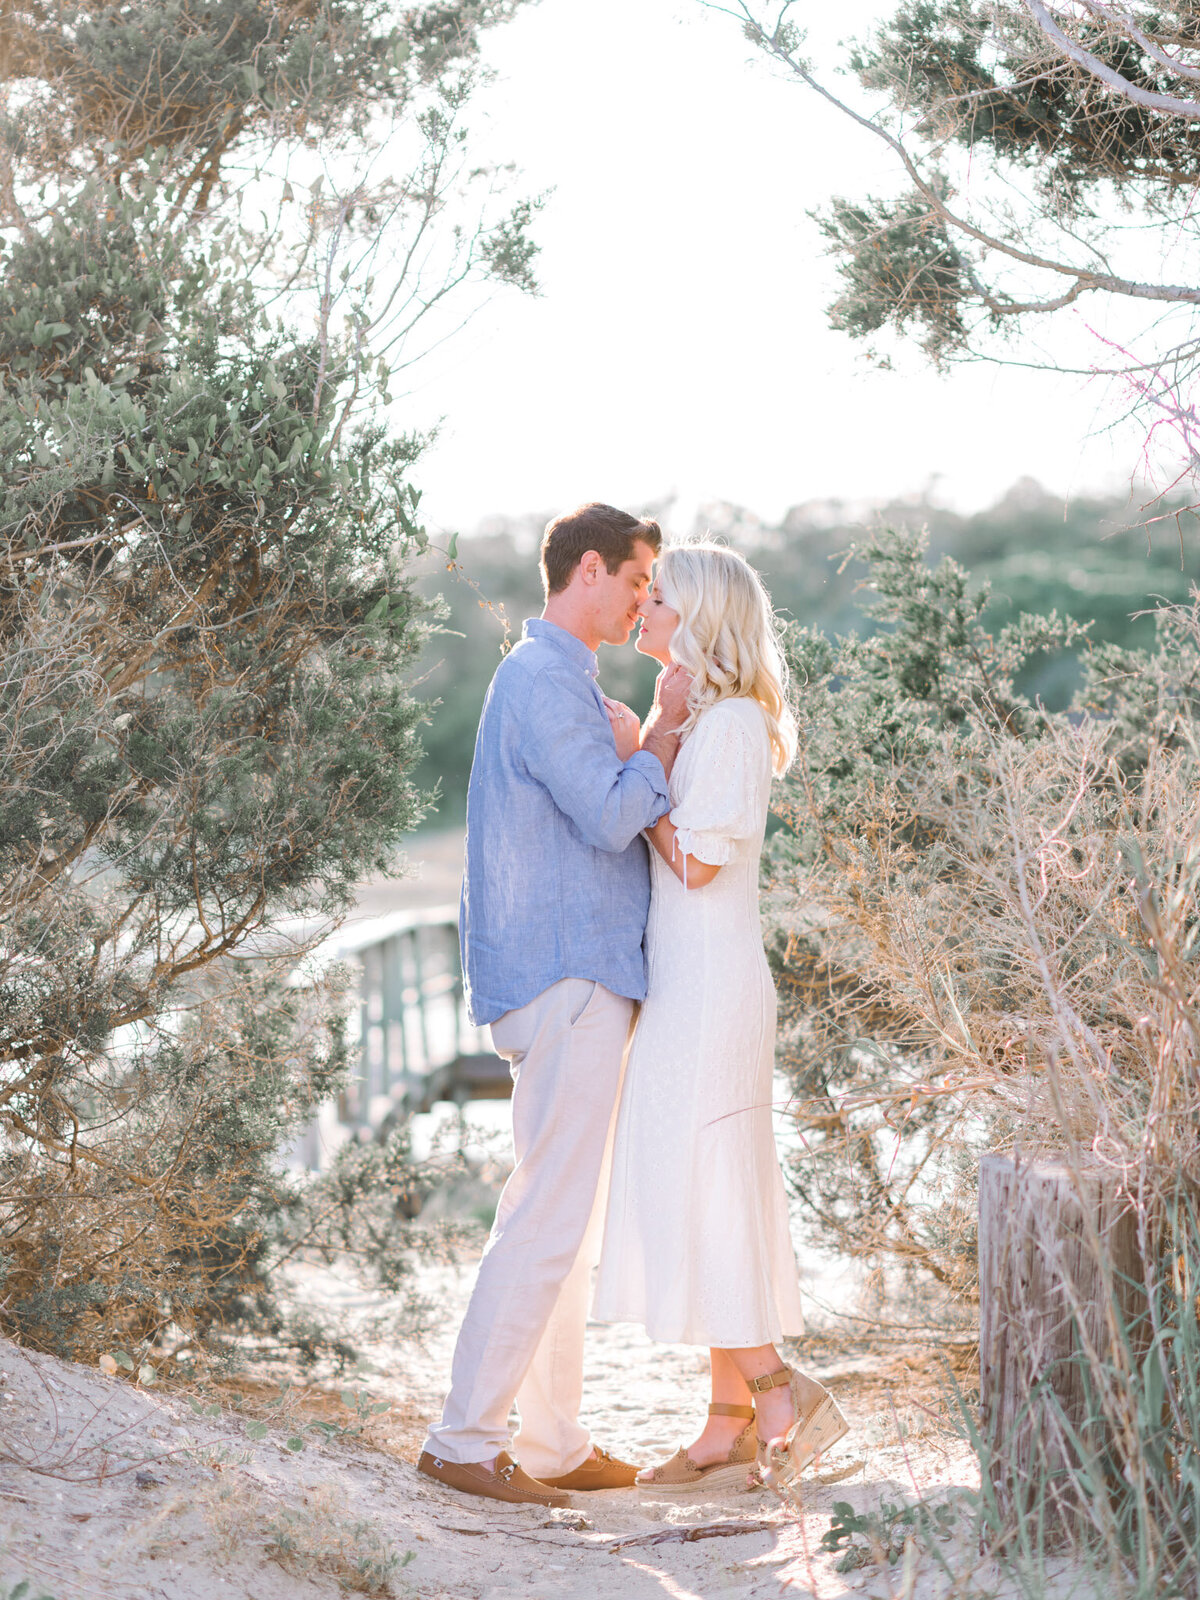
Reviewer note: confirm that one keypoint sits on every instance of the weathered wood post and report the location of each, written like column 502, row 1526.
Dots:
column 1046, row 1346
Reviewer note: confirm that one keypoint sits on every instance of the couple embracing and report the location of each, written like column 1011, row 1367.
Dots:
column 611, row 938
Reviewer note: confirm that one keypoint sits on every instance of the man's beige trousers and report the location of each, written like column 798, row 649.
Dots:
column 522, row 1336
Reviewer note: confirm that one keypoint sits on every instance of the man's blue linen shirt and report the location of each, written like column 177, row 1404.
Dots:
column 557, row 881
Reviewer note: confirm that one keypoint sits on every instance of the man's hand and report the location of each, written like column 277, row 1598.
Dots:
column 668, row 713
column 627, row 730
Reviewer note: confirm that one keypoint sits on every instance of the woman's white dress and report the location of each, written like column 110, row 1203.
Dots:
column 696, row 1244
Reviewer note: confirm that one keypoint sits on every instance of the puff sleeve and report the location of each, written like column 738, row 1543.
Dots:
column 724, row 799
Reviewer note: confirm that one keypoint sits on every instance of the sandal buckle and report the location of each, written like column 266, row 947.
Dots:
column 769, row 1380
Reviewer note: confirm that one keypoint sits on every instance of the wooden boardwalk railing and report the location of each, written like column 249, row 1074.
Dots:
column 413, row 1044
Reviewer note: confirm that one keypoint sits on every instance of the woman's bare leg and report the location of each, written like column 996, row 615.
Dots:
column 717, row 1437
column 728, row 1385
column 732, row 1373
column 774, row 1412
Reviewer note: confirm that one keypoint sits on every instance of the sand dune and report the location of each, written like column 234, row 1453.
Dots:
column 113, row 1490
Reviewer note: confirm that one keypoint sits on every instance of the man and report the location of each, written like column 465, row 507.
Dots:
column 554, row 905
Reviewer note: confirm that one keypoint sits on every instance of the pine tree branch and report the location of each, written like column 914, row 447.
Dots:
column 1171, row 104
column 1155, row 51
column 1085, row 279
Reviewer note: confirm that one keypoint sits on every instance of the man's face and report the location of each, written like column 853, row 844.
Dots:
column 617, row 595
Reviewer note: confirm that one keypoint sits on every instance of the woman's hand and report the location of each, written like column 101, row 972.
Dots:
column 627, row 730
column 671, row 690
column 667, row 714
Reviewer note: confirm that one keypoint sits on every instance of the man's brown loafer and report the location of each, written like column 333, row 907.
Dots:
column 506, row 1482
column 600, row 1471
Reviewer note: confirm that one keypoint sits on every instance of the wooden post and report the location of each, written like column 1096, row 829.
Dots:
column 1046, row 1349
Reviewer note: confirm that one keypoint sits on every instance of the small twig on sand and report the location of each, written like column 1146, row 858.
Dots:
column 78, row 1459
column 840, row 1474
column 701, row 1530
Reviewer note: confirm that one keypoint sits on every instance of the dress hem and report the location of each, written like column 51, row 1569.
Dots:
column 710, row 1342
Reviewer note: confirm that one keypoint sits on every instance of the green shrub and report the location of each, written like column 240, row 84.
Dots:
column 208, row 632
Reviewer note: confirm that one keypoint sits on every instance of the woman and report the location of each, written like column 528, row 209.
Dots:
column 696, row 1244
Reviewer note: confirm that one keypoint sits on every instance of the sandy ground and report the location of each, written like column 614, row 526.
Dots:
column 114, row 1490
column 110, row 1489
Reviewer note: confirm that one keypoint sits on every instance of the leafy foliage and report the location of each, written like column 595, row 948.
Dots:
column 987, row 80
column 324, row 1539
column 1036, row 145
column 879, row 1537
column 975, row 901
column 115, row 84
column 1030, row 552
column 900, row 267
column 208, row 632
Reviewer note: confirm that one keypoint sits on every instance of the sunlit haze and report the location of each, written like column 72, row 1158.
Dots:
column 681, row 345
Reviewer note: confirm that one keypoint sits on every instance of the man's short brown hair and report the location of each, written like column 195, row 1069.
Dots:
column 611, row 533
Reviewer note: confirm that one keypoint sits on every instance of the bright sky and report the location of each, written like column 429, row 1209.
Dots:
column 681, row 345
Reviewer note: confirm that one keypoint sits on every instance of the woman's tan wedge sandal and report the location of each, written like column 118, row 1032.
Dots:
column 681, row 1475
column 813, row 1432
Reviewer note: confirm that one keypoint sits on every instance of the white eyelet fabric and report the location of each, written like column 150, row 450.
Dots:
column 696, row 1244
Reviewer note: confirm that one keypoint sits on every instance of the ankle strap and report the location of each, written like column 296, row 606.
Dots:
column 720, row 1409
column 771, row 1380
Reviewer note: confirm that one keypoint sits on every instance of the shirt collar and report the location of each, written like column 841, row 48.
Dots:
column 574, row 649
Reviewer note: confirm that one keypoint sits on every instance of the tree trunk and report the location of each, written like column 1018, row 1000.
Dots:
column 1061, row 1314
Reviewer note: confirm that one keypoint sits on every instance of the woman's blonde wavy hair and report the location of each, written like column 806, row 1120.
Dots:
column 728, row 637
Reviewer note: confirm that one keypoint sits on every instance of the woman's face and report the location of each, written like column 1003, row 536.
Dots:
column 658, row 626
